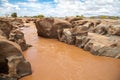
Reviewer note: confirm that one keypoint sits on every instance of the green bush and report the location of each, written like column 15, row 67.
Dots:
column 14, row 15
column 80, row 16
column 103, row 17
column 39, row 16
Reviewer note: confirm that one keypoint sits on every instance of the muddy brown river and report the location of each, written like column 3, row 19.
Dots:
column 54, row 60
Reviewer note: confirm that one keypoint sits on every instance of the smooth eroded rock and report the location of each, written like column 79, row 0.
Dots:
column 14, row 63
column 47, row 27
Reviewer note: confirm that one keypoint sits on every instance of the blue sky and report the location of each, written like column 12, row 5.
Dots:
column 60, row 8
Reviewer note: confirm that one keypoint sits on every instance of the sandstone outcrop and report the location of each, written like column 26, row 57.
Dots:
column 93, row 36
column 9, row 30
column 96, row 36
column 18, row 37
column 48, row 27
column 12, row 63
column 5, row 27
column 114, row 30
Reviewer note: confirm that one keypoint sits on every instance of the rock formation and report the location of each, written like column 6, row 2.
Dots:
column 96, row 36
column 47, row 27
column 9, row 30
column 12, row 63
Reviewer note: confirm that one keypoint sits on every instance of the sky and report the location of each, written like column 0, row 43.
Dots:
column 60, row 8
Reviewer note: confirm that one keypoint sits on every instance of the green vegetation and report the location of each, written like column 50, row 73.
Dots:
column 80, row 16
column 114, row 17
column 92, row 17
column 14, row 15
column 104, row 17
column 39, row 16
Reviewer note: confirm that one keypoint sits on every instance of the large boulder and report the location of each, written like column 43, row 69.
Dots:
column 12, row 61
column 47, row 27
column 8, row 29
column 5, row 27
column 18, row 37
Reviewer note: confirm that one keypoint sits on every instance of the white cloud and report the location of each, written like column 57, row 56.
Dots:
column 89, row 7
column 63, row 7
column 7, row 8
column 32, row 0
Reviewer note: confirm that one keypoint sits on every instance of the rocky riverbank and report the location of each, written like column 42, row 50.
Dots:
column 12, row 63
column 100, row 37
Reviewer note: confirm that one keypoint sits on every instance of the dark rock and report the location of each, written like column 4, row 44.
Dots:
column 47, row 27
column 18, row 37
column 5, row 27
column 12, row 59
column 12, row 33
column 8, row 78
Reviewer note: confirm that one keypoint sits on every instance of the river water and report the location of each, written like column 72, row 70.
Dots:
column 54, row 60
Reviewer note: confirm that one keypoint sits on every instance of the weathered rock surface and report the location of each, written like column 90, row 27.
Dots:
column 10, row 31
column 69, row 35
column 107, row 27
column 101, row 29
column 5, row 27
column 18, row 37
column 48, row 27
column 28, row 20
column 114, row 30
column 96, row 36
column 72, row 19
column 12, row 63
column 17, row 22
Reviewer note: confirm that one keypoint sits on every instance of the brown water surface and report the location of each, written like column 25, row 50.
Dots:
column 54, row 60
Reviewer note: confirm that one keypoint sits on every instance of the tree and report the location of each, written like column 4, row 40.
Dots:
column 14, row 15
column 39, row 16
column 80, row 16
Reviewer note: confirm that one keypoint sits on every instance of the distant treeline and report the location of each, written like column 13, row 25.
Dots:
column 99, row 17
column 104, row 17
column 80, row 16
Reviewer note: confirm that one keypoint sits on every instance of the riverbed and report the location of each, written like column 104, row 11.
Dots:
column 54, row 60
